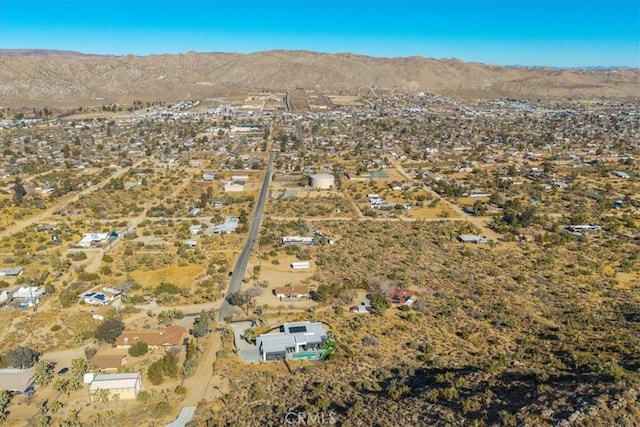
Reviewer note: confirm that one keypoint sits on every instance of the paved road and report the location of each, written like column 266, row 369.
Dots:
column 241, row 264
column 287, row 105
column 300, row 138
column 185, row 416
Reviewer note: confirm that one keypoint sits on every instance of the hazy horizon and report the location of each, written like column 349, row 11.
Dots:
column 567, row 34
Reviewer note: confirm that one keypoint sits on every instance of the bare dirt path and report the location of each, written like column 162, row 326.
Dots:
column 21, row 225
column 479, row 222
column 198, row 385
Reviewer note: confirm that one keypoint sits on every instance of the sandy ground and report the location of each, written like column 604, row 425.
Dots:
column 21, row 225
column 281, row 275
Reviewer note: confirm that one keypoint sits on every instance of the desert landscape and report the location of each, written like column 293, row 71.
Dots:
column 330, row 239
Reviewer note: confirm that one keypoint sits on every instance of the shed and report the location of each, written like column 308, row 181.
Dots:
column 300, row 265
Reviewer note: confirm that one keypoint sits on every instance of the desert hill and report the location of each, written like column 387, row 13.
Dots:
column 31, row 77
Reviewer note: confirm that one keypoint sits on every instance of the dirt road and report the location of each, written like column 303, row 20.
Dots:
column 479, row 222
column 21, row 225
column 198, row 385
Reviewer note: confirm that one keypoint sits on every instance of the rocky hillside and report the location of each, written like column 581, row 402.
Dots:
column 57, row 78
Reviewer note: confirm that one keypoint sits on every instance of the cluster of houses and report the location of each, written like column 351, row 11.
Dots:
column 229, row 226
column 105, row 367
column 125, row 385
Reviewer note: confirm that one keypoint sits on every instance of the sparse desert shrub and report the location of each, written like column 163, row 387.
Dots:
column 162, row 409
column 166, row 288
column 369, row 341
column 79, row 256
column 138, row 349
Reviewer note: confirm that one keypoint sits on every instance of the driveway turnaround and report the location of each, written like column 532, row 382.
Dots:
column 184, row 417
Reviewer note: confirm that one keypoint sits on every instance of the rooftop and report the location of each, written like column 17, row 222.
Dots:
column 115, row 381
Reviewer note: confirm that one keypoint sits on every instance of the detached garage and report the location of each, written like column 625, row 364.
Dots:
column 126, row 385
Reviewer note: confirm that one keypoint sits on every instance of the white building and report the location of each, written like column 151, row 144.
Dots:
column 322, row 181
column 472, row 238
column 298, row 240
column 300, row 265
column 209, row 176
column 93, row 240
column 102, row 296
column 11, row 271
column 621, row 174
column 229, row 226
column 127, row 386
column 303, row 340
column 29, row 295
column 233, row 187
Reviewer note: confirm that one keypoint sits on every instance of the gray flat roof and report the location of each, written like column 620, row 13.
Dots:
column 269, row 343
column 294, row 333
column 110, row 381
column 471, row 238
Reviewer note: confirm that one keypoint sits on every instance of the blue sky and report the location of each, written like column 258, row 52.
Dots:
column 561, row 33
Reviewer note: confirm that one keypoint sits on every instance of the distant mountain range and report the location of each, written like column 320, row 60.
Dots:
column 35, row 77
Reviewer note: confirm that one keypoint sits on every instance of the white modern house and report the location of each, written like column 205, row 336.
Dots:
column 301, row 340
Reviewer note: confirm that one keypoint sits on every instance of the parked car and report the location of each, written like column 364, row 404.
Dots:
column 63, row 371
column 31, row 389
